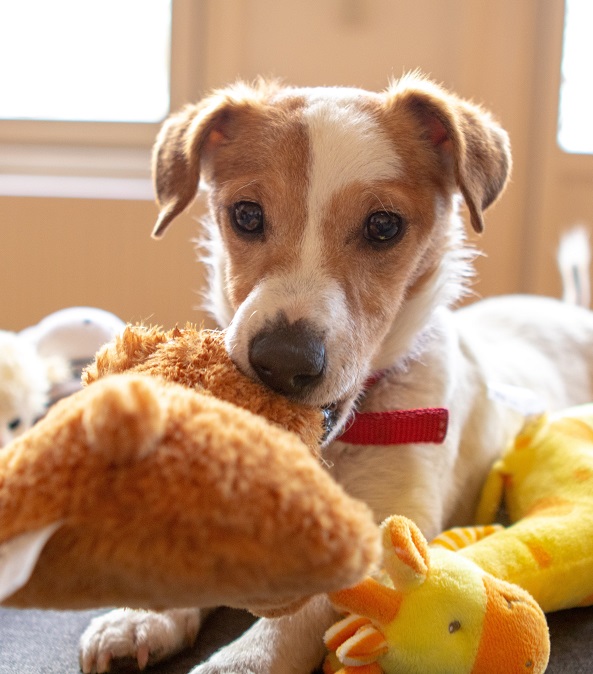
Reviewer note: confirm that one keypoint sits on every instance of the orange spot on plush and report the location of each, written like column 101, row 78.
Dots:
column 369, row 598
column 583, row 475
column 574, row 428
column 587, row 601
column 551, row 506
column 543, row 558
column 511, row 614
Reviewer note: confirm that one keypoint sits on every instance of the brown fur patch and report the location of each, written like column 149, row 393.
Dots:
column 264, row 161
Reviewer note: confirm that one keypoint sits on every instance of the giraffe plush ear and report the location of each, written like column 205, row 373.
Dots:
column 468, row 141
column 406, row 558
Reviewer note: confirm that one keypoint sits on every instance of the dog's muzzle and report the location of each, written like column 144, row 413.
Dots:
column 288, row 357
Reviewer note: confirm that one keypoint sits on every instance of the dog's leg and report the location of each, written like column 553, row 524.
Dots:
column 288, row 645
column 143, row 636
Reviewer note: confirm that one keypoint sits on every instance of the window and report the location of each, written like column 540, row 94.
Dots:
column 85, row 86
column 575, row 129
column 82, row 60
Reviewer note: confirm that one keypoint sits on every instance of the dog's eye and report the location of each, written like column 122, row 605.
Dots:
column 248, row 217
column 14, row 424
column 383, row 226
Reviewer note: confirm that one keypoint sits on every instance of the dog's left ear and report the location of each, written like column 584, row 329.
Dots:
column 466, row 137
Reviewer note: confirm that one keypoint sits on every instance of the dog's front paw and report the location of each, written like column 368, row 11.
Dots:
column 250, row 655
column 292, row 644
column 211, row 668
column 239, row 666
column 142, row 636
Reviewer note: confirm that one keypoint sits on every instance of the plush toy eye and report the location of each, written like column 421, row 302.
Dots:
column 14, row 424
column 455, row 626
column 248, row 217
column 383, row 227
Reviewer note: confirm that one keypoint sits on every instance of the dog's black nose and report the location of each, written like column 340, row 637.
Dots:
column 289, row 358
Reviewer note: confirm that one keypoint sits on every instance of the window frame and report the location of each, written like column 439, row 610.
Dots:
column 105, row 151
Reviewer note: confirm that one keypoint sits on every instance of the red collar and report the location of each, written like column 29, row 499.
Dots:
column 396, row 427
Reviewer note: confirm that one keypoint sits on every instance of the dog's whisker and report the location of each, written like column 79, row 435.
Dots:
column 243, row 187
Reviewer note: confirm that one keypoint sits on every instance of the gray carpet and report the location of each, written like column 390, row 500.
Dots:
column 45, row 642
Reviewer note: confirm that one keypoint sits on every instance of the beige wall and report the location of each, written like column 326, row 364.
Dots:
column 69, row 252
column 63, row 252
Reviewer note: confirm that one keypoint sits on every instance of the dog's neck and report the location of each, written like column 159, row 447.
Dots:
column 413, row 329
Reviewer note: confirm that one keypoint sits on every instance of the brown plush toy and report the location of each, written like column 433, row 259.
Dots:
column 173, row 480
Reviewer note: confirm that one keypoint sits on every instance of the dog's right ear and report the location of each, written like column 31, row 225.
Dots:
column 176, row 156
column 187, row 135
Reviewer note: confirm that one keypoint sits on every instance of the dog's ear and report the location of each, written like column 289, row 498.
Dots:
column 176, row 157
column 188, row 135
column 466, row 137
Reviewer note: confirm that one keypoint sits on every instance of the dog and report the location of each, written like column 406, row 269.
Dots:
column 336, row 251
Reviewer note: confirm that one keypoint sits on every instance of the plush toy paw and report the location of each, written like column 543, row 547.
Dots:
column 144, row 637
column 357, row 645
column 125, row 419
column 332, row 665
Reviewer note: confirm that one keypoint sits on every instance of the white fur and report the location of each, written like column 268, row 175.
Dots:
column 211, row 254
column 346, row 147
column 449, row 284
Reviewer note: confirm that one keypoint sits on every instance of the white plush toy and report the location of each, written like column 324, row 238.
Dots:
column 73, row 335
column 43, row 363
column 25, row 381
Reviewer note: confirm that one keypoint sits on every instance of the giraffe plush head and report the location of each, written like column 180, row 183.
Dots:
column 434, row 611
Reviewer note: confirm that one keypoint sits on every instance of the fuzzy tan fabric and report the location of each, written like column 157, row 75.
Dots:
column 198, row 359
column 170, row 495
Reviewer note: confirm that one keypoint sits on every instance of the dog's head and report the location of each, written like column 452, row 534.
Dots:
column 333, row 227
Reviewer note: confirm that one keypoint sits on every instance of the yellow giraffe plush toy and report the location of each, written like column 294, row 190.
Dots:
column 546, row 482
